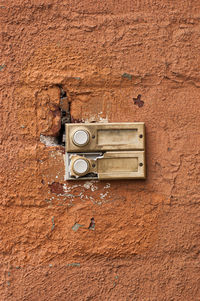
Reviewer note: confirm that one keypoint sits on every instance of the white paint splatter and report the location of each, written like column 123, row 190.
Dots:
column 107, row 186
column 93, row 188
column 87, row 185
column 103, row 195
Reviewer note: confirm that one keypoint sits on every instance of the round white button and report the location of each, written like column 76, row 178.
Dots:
column 80, row 166
column 81, row 137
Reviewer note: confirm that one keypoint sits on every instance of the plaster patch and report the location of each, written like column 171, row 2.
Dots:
column 48, row 140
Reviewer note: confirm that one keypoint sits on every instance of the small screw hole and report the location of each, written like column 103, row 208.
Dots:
column 93, row 136
column 141, row 164
column 141, row 136
column 93, row 165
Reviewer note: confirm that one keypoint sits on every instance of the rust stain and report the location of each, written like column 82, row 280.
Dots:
column 56, row 187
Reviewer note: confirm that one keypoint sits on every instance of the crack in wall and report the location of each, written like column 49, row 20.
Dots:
column 172, row 198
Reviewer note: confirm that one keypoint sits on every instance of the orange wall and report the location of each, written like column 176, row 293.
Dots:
column 145, row 245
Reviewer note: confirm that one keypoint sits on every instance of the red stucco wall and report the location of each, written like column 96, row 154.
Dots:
column 145, row 245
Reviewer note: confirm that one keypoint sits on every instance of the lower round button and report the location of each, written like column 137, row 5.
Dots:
column 80, row 166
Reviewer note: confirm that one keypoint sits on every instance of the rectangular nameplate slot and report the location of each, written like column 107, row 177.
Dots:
column 117, row 165
column 117, row 137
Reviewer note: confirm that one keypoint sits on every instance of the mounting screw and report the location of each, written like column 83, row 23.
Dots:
column 141, row 164
column 141, row 136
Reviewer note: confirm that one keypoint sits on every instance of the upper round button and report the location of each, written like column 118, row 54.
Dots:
column 81, row 137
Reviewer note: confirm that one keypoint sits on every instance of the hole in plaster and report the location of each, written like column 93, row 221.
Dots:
column 59, row 140
column 63, row 93
column 65, row 109
column 92, row 224
column 65, row 117
column 138, row 101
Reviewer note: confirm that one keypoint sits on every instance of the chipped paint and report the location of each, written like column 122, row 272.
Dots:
column 76, row 226
column 2, row 67
column 53, row 223
column 73, row 264
column 127, row 75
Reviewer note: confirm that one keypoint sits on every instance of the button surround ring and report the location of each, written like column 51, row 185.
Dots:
column 81, row 137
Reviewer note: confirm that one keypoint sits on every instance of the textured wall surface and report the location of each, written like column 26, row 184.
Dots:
column 146, row 242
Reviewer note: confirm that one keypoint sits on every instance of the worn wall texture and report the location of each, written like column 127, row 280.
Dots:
column 146, row 243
